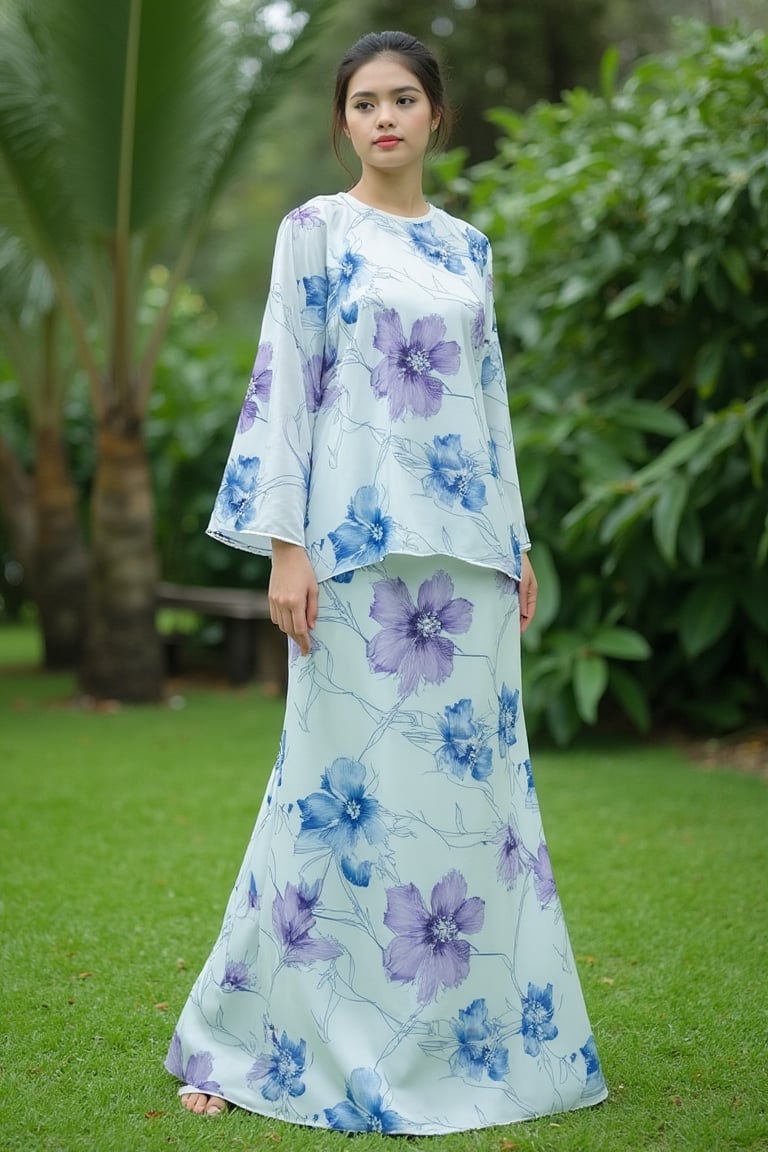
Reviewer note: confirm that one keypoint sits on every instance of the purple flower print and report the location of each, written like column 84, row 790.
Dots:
column 198, row 1068
column 536, row 1025
column 508, row 703
column 305, row 216
column 236, row 496
column 237, row 977
column 363, row 1110
column 513, row 857
column 464, row 746
column 259, row 387
column 480, row 1049
column 410, row 643
column 318, row 373
column 407, row 375
column 453, row 475
column 344, row 820
column 543, row 880
column 478, row 328
column 364, row 537
column 293, row 921
column 426, row 948
column 282, row 1068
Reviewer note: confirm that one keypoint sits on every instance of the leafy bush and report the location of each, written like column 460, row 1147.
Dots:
column 630, row 234
column 200, row 381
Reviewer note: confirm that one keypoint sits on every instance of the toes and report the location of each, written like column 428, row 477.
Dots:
column 215, row 1105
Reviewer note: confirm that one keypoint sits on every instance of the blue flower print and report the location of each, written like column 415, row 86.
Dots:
column 344, row 820
column 254, row 896
column 293, row 921
column 513, row 859
column 543, row 879
column 197, row 1070
column 426, row 948
column 592, row 1063
column 478, row 246
column 464, row 746
column 343, row 278
column 282, row 1068
column 453, row 475
column 537, row 1026
column 480, row 1049
column 316, row 295
column 508, row 705
column 363, row 1110
column 428, row 244
column 364, row 537
column 259, row 387
column 410, row 643
column 491, row 368
column 318, row 373
column 234, row 502
column 410, row 373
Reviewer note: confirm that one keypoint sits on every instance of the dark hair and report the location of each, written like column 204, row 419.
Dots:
column 414, row 55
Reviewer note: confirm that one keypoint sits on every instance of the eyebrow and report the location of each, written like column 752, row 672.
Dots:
column 394, row 92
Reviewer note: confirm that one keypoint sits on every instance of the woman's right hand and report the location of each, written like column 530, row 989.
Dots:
column 293, row 593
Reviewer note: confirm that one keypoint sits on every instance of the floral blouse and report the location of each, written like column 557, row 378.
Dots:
column 376, row 418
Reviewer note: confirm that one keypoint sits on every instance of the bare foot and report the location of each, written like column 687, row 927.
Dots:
column 203, row 1104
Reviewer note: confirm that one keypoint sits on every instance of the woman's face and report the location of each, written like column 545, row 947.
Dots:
column 388, row 116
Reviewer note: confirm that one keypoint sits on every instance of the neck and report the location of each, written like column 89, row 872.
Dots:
column 398, row 193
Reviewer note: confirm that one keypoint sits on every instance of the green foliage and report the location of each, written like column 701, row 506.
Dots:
column 200, row 381
column 630, row 233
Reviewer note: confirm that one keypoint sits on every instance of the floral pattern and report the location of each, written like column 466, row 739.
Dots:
column 393, row 957
column 378, row 369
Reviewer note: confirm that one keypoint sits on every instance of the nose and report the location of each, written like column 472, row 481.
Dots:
column 385, row 117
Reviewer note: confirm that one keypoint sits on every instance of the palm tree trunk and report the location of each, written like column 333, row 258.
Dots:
column 61, row 560
column 17, row 509
column 123, row 658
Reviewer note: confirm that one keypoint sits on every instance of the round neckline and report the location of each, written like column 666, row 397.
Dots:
column 363, row 207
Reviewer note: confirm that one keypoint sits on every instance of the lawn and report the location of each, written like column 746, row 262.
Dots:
column 121, row 833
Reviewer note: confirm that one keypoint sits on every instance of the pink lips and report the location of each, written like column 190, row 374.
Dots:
column 387, row 141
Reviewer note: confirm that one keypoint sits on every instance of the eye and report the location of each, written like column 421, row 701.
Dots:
column 363, row 105
column 406, row 100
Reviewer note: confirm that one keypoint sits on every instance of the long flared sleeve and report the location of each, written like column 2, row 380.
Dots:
column 496, row 401
column 263, row 493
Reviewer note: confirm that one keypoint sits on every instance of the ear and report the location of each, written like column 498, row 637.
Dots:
column 435, row 123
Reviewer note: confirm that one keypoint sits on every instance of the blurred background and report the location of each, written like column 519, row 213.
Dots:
column 616, row 153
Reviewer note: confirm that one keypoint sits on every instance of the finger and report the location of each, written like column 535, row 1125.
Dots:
column 299, row 630
column 312, row 605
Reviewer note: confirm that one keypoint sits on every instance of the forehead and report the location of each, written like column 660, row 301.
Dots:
column 382, row 75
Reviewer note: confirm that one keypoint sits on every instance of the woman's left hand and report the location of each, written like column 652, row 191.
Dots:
column 528, row 592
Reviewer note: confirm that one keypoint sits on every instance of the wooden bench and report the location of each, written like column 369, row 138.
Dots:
column 255, row 647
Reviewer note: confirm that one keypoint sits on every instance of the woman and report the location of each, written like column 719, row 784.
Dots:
column 393, row 955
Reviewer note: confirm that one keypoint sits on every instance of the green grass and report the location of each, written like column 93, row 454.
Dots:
column 121, row 834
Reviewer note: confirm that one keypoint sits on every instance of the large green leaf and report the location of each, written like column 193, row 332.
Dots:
column 705, row 615
column 590, row 677
column 668, row 512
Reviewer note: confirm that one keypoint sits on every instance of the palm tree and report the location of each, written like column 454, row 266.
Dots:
column 43, row 514
column 120, row 123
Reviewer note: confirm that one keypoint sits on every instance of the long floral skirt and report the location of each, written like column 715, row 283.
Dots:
column 394, row 956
